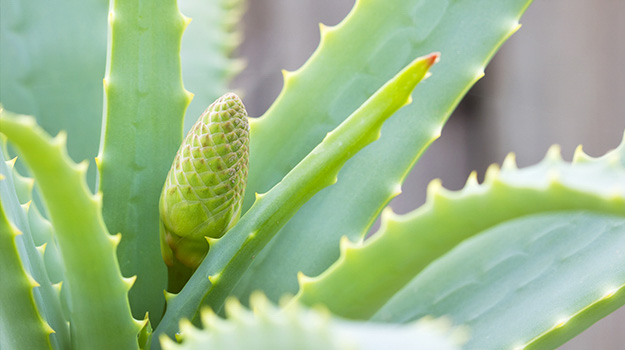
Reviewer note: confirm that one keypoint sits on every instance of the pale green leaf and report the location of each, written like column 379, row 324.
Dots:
column 536, row 281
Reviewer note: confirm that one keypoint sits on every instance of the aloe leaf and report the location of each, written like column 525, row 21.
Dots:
column 53, row 55
column 269, row 327
column 100, row 315
column 43, row 233
column 406, row 244
column 39, row 228
column 231, row 255
column 46, row 298
column 145, row 105
column 21, row 324
column 207, row 45
column 531, row 282
column 353, row 59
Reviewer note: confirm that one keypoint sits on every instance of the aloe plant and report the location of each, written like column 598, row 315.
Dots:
column 495, row 265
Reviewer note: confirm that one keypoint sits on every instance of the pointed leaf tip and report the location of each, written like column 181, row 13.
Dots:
column 433, row 58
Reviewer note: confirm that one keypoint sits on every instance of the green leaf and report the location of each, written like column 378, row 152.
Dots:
column 205, row 52
column 100, row 314
column 21, row 325
column 36, row 226
column 353, row 59
column 29, row 250
column 269, row 327
column 231, row 255
column 535, row 281
column 406, row 244
column 145, row 105
column 53, row 55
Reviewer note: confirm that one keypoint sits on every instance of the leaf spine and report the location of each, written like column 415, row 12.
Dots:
column 57, row 287
column 480, row 74
column 492, row 173
column 396, row 190
column 434, row 188
column 211, row 241
column 287, row 76
column 610, row 293
column 169, row 296
column 323, row 29
column 42, row 248
column 11, row 162
column 388, row 215
column 234, row 309
column 214, row 278
column 141, row 323
column 579, row 155
column 31, row 281
column 303, row 279
column 408, row 101
column 209, row 318
column 188, row 95
column 186, row 20
column 129, row 281
column 81, row 167
column 26, row 206
column 554, row 154
column 185, row 326
column 345, row 244
column 436, row 133
column 472, row 180
column 97, row 199
column 560, row 323
column 47, row 328
column 509, row 162
column 60, row 139
column 115, row 239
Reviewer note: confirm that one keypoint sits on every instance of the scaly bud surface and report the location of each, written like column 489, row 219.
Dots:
column 204, row 189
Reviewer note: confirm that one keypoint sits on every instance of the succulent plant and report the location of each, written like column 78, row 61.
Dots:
column 495, row 265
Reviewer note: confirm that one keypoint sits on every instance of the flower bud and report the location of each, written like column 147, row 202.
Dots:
column 204, row 189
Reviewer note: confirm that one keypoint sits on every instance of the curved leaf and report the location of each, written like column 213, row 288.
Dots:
column 352, row 60
column 533, row 282
column 21, row 325
column 268, row 327
column 406, row 244
column 99, row 311
column 46, row 297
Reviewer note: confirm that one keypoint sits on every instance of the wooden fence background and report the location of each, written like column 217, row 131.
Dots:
column 560, row 79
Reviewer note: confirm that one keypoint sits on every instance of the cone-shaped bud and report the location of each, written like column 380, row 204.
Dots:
column 203, row 192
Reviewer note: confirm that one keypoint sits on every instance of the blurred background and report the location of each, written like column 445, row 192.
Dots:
column 560, row 79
